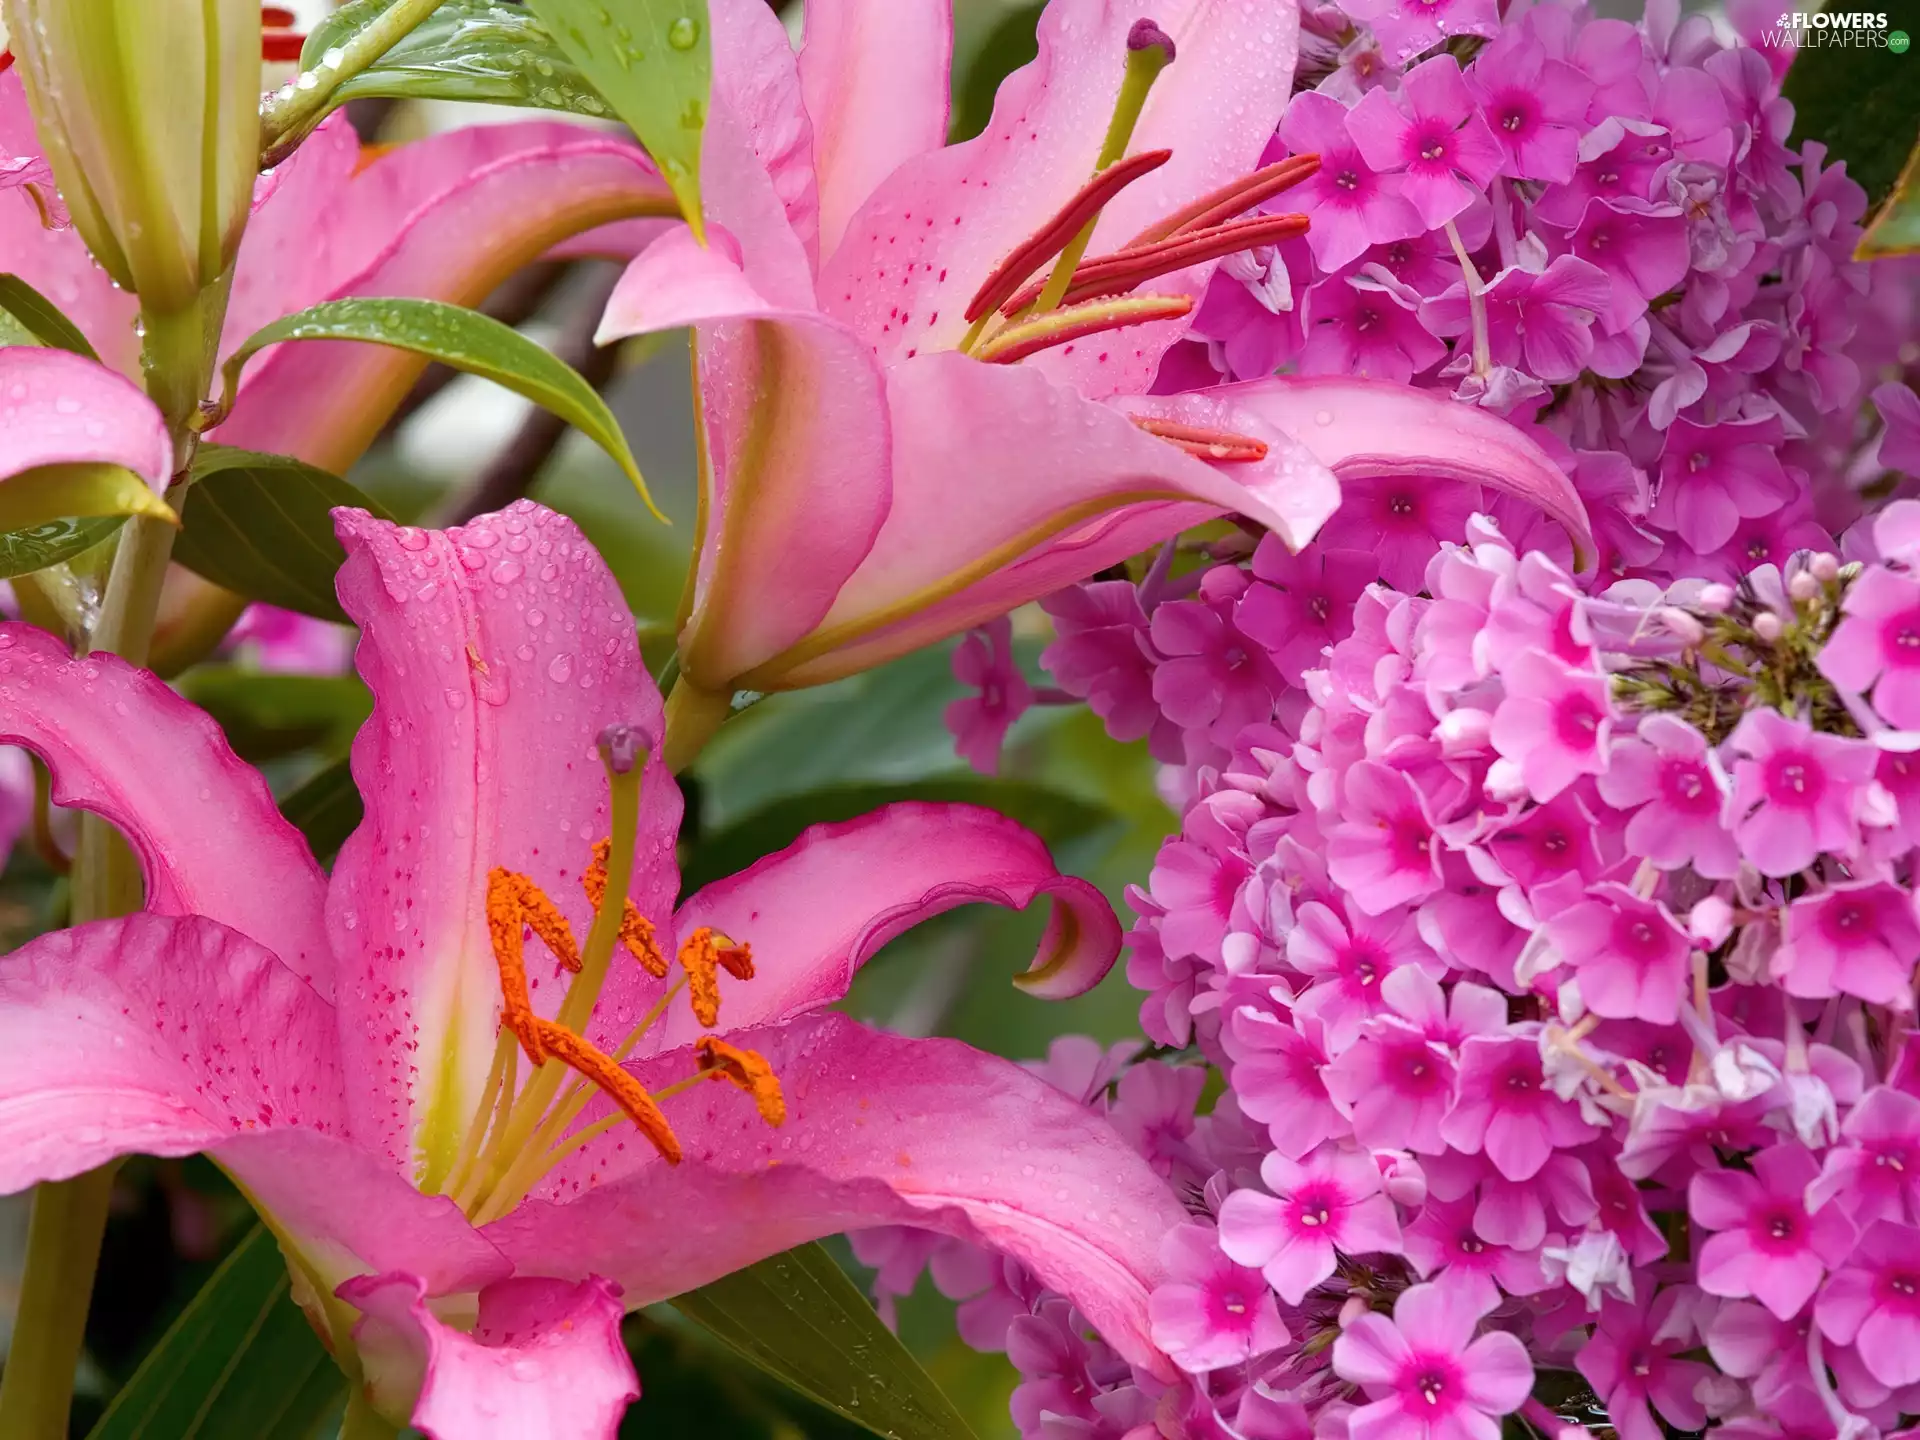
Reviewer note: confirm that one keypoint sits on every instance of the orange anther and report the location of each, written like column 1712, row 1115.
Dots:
column 702, row 954
column 628, row 1093
column 749, row 1070
column 506, row 922
column 636, row 931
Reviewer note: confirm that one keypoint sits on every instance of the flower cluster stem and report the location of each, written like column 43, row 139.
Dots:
column 1476, row 302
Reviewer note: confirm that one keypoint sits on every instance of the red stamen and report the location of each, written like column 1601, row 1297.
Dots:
column 276, row 17
column 1051, row 238
column 281, row 47
column 1232, row 199
column 1058, row 327
column 1218, row 445
column 1121, row 271
column 6, row 61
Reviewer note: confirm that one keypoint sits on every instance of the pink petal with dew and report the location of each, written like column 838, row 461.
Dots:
column 63, row 409
column 1365, row 429
column 210, row 839
column 56, row 262
column 818, row 910
column 154, row 1035
column 453, row 216
column 798, row 442
column 924, row 241
column 544, row 1361
column 497, row 653
column 876, row 75
column 1006, row 487
column 757, row 83
column 880, row 1130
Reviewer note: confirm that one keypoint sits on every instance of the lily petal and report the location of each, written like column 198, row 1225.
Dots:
column 756, row 84
column 1365, row 429
column 880, row 1130
column 136, row 1035
column 1005, row 488
column 876, row 75
column 497, row 653
column 818, row 910
column 922, row 243
column 797, row 442
column 455, row 215
column 544, row 1362
column 63, row 409
column 210, row 839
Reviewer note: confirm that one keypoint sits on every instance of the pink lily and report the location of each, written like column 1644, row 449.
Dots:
column 464, row 1228
column 64, row 409
column 876, row 478
column 445, row 218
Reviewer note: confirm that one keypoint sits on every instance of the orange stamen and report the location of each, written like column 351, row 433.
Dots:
column 636, row 931
column 506, row 923
column 1051, row 238
column 1218, row 445
column 1060, row 327
column 749, row 1070
column 702, row 954
column 1121, row 271
column 628, row 1093
column 1231, row 199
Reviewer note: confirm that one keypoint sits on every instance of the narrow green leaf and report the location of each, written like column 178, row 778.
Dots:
column 798, row 1317
column 652, row 62
column 24, row 551
column 1863, row 103
column 327, row 809
column 83, row 490
column 41, row 318
column 1054, row 816
column 468, row 50
column 240, row 1363
column 1896, row 229
column 466, row 340
column 262, row 526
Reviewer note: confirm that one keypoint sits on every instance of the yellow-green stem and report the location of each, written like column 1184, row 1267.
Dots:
column 70, row 1217
column 293, row 111
column 693, row 717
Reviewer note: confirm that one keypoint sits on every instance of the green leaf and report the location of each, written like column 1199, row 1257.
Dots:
column 327, row 809
column 41, row 318
column 24, row 551
column 83, row 490
column 240, row 1363
column 262, row 526
column 798, row 1317
column 1055, row 817
column 464, row 339
column 467, row 50
column 266, row 716
column 1896, row 229
column 652, row 62
column 1863, row 103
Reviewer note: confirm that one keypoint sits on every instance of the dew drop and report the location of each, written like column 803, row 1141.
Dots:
column 560, row 668
column 684, row 33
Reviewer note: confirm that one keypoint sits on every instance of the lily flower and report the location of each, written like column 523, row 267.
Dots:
column 445, row 218
column 479, row 1082
column 924, row 368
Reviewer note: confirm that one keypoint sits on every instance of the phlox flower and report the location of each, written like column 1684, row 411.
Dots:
column 1212, row 678
column 1329, row 1201
column 1713, row 476
column 984, row 663
column 1382, row 852
column 1795, row 793
column 1396, row 1081
column 1878, row 645
column 1536, row 107
column 1899, row 409
column 1302, row 605
column 1644, row 256
column 1854, row 939
column 1404, row 28
column 1872, row 1302
column 1554, row 724
column 1874, row 1174
column 1432, row 136
column 1399, row 522
column 1630, row 954
column 1667, row 774
column 1351, row 203
column 1425, row 1373
column 1346, row 960
column 1280, row 1074
column 1357, row 325
column 1444, row 1245
column 1506, row 1108
column 1767, row 1244
column 1101, row 655
column 1210, row 1312
column 1539, row 318
column 1632, row 1361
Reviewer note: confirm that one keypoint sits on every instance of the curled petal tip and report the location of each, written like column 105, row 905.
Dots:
column 1147, row 35
column 1081, row 942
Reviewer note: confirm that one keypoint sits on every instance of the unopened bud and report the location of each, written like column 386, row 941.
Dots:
column 1768, row 626
column 149, row 111
column 1824, row 567
column 1716, row 599
column 1682, row 626
column 1803, row 586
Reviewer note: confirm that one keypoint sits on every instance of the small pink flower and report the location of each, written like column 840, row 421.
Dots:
column 1878, row 644
column 1768, row 1245
column 1356, row 325
column 1279, row 1074
column 1712, row 476
column 1794, row 792
column 1873, row 1303
column 1631, row 954
column 1404, row 28
column 1670, row 778
column 1395, row 1081
column 1432, row 136
column 1554, row 723
column 1875, row 1174
column 1856, row 939
column 1428, row 1377
column 1101, row 655
column 1400, row 522
column 1507, row 1109
column 1153, row 1108
column 1445, row 1246
column 983, row 662
column 1537, row 320
column 1345, row 962
column 1632, row 1363
column 1302, row 605
column 1209, row 1312
column 1213, row 678
column 1351, row 204
column 1537, row 107
column 1382, row 851
column 1329, row 1201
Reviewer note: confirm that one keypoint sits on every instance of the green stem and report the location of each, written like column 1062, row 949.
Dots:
column 693, row 715
column 362, row 1424
column 70, row 1216
column 292, row 111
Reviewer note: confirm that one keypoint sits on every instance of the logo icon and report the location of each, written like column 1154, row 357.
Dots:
column 1898, row 41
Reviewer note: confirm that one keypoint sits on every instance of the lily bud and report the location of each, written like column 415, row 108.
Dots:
column 149, row 111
